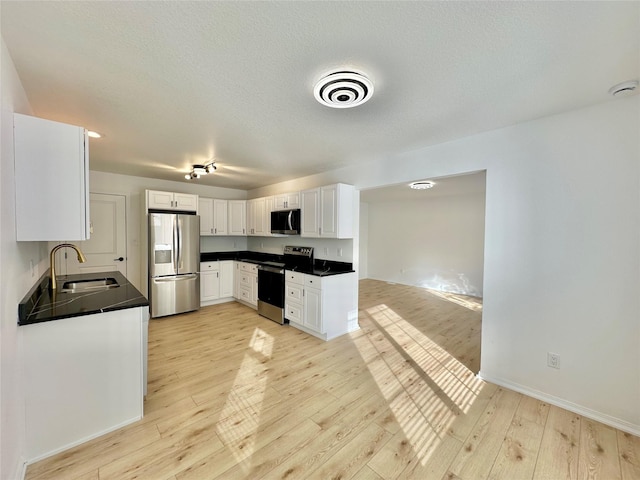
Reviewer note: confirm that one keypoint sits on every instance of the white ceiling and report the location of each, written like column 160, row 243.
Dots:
column 171, row 84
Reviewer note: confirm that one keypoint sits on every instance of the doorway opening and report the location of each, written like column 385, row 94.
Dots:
column 422, row 259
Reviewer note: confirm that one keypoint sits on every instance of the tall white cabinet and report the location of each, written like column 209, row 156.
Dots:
column 51, row 180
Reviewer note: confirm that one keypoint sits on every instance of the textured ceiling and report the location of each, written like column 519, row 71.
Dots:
column 176, row 83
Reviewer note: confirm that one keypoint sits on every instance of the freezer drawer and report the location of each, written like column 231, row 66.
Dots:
column 174, row 294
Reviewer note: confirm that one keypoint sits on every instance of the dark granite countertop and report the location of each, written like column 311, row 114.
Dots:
column 321, row 268
column 43, row 305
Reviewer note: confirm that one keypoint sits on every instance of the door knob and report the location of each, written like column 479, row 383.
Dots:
column 119, row 259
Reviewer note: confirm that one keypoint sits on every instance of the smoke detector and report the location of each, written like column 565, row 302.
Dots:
column 343, row 89
column 624, row 88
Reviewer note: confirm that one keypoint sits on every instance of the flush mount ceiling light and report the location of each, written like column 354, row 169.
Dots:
column 421, row 185
column 343, row 89
column 624, row 88
column 198, row 170
column 93, row 134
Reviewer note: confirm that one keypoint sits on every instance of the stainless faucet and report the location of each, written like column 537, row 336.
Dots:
column 52, row 260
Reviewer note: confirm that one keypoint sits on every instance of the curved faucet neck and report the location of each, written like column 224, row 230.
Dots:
column 52, row 261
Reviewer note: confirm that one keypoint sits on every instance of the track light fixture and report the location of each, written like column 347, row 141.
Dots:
column 198, row 170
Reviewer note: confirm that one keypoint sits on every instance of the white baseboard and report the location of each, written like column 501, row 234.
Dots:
column 20, row 471
column 217, row 301
column 81, row 441
column 559, row 402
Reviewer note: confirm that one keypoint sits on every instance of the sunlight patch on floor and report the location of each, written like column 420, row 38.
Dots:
column 472, row 303
column 427, row 389
column 240, row 416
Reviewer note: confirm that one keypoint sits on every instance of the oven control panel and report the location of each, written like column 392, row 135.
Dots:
column 299, row 251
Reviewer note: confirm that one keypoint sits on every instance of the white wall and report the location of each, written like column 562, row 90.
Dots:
column 364, row 241
column 16, row 278
column 562, row 251
column 436, row 243
column 223, row 244
column 324, row 249
column 134, row 189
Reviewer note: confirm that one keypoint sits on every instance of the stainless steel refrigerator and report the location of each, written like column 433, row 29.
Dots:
column 174, row 263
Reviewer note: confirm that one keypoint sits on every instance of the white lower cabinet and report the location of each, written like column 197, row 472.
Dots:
column 209, row 282
column 226, row 278
column 246, row 288
column 325, row 307
column 216, row 282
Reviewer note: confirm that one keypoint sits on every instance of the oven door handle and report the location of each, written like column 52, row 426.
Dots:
column 266, row 268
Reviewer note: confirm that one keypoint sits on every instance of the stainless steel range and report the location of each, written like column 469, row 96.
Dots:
column 298, row 258
column 271, row 281
column 271, row 291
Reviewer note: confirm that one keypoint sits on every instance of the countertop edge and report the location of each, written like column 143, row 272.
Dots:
column 244, row 256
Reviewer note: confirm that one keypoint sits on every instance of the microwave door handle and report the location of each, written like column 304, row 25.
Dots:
column 289, row 219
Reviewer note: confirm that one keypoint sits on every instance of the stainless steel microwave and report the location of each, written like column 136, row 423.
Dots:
column 286, row 222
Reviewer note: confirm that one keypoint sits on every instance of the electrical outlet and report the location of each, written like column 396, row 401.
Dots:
column 553, row 360
column 339, row 252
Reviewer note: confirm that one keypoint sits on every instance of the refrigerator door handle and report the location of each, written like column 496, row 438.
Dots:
column 174, row 256
column 175, row 278
column 179, row 243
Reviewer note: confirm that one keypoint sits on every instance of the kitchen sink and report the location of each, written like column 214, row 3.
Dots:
column 77, row 286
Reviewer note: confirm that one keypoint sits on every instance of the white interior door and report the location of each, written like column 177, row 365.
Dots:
column 106, row 250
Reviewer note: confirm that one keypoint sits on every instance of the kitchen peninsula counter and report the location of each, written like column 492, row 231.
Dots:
column 44, row 305
column 84, row 362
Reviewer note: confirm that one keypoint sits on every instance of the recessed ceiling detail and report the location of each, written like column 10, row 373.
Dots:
column 624, row 88
column 423, row 185
column 343, row 89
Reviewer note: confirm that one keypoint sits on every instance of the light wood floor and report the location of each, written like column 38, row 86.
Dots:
column 235, row 396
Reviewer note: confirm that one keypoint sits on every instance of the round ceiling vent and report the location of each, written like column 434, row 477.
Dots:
column 624, row 88
column 343, row 89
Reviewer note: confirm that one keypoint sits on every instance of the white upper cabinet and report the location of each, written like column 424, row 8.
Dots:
column 220, row 217
column 256, row 217
column 310, row 213
column 213, row 216
column 237, row 217
column 327, row 212
column 172, row 201
column 285, row 201
column 51, row 180
column 205, row 210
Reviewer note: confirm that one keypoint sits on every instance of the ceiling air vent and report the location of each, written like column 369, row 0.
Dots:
column 343, row 89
